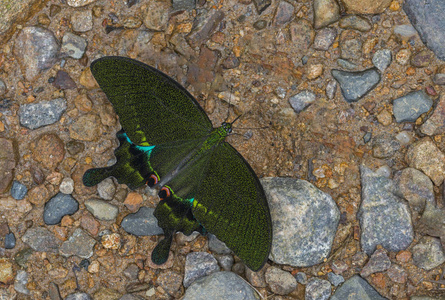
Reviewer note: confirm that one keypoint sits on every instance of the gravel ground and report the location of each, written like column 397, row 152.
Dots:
column 343, row 118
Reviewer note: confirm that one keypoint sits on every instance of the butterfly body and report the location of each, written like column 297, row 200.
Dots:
column 168, row 142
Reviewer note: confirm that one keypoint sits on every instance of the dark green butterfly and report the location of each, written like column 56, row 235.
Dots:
column 168, row 142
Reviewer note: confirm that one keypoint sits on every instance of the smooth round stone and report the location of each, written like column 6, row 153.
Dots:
column 102, row 210
column 10, row 241
column 67, row 186
column 18, row 190
column 58, row 207
column 355, row 85
column 302, row 100
column 382, row 59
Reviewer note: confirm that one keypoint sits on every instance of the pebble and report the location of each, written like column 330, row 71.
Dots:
column 335, row 279
column 226, row 262
column 317, row 221
column 79, row 3
column 355, row 22
column 85, row 128
column 21, row 280
column 403, row 56
column 404, row 138
column 49, row 150
column 111, row 241
column 345, row 64
column 2, row 87
column 18, row 190
column 355, row 85
column 256, row 279
column 422, row 59
column 36, row 115
column 67, row 186
column 435, row 123
column 36, row 49
column 156, row 16
column 279, row 281
column 324, row 38
column 331, row 88
column 439, row 79
column 10, row 241
column 63, row 81
column 205, row 27
column 356, row 285
column 397, row 274
column 384, row 146
column 7, row 273
column 78, row 296
column 325, row 12
column 82, row 20
column 351, row 44
column 382, row 59
column 74, row 147
column 428, row 21
column 197, row 265
column 302, row 34
column 79, row 244
column 404, row 32
column 73, row 45
column 106, row 189
column 102, row 210
column 339, row 266
column 433, row 219
column 260, row 24
column 425, row 156
column 317, row 289
column 215, row 245
column 394, row 229
column 283, row 13
column 428, row 253
column 220, row 285
column 171, row 282
column 261, row 5
column 59, row 206
column 367, row 137
column 378, row 262
column 409, row 107
column 181, row 5
column 371, row 7
column 90, row 224
column 41, row 239
column 415, row 187
column 133, row 201
column 384, row 117
column 302, row 100
column 142, row 223
column 301, row 278
column 314, row 71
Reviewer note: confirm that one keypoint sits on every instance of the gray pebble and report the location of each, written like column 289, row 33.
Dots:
column 324, row 39
column 331, row 88
column 59, row 206
column 382, row 59
column 106, row 189
column 2, row 87
column 218, row 246
column 409, row 107
column 101, row 209
column 355, row 22
column 35, row 115
column 18, row 190
column 197, row 265
column 317, row 289
column 21, row 280
column 439, row 79
column 378, row 262
column 428, row 253
column 346, row 64
column 355, row 85
column 405, row 31
column 82, row 20
column 73, row 45
column 225, row 261
column 279, row 281
column 79, row 244
column 41, row 239
column 301, row 278
column 335, row 279
column 67, row 186
column 10, row 241
column 142, row 223
column 302, row 100
column 181, row 5
column 78, row 296
column 367, row 137
column 356, row 286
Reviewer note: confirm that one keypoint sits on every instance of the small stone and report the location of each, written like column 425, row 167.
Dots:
column 73, row 45
column 382, row 59
column 397, row 274
column 133, row 201
column 218, row 246
column 355, row 22
column 78, row 295
column 370, row 7
column 226, row 262
column 314, row 71
column 436, row 122
column 425, row 156
column 171, row 282
column 82, row 20
column 302, row 34
column 378, row 262
column 404, row 137
column 67, row 186
column 283, row 13
column 49, row 150
column 428, row 253
column 302, row 100
column 58, row 207
column 21, row 280
column 85, row 128
column 90, row 224
column 279, row 281
column 367, row 137
column 79, row 3
column 79, row 244
column 335, row 279
column 156, row 16
column 384, row 146
column 384, row 117
column 331, row 88
column 63, row 81
column 102, row 210
column 106, row 189
column 438, row 79
column 10, row 241
column 38, row 195
column 197, row 265
column 141, row 223
column 256, row 278
column 301, row 278
column 403, row 56
column 6, row 271
column 260, row 24
column 324, row 39
column 41, row 239
column 339, row 266
column 35, row 115
column 405, row 32
column 355, row 85
column 351, row 44
column 415, row 187
column 74, row 147
column 2, row 87
column 7, row 163
column 87, row 80
column 325, row 12
column 409, row 107
column 422, row 59
column 111, row 241
column 318, row 289
column 18, row 190
column 181, row 5
column 356, row 286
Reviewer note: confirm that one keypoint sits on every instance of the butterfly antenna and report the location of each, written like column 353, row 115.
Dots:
column 228, row 110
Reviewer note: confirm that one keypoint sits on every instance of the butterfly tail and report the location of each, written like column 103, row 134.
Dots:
column 94, row 176
column 161, row 251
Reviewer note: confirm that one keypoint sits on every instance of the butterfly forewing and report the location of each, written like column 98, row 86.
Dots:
column 151, row 106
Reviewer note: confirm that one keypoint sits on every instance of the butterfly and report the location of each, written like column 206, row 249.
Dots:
column 168, row 142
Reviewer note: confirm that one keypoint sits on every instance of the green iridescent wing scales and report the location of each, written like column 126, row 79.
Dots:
column 231, row 204
column 152, row 107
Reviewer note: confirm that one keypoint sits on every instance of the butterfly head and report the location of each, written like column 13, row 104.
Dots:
column 227, row 127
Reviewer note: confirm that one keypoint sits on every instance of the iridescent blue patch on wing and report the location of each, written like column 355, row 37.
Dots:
column 142, row 148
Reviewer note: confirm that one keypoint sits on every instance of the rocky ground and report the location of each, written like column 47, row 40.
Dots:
column 343, row 118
